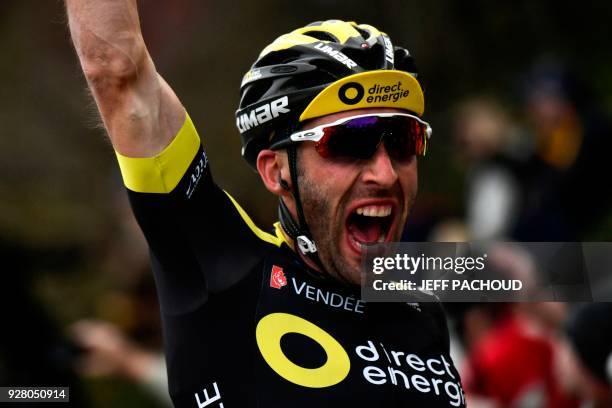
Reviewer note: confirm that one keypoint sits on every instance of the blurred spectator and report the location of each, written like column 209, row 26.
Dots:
column 489, row 144
column 584, row 365
column 564, row 195
column 511, row 348
column 108, row 352
column 512, row 364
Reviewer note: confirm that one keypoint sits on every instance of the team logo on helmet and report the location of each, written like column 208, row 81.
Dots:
column 251, row 76
column 372, row 89
column 351, row 93
column 262, row 114
column 337, row 55
column 389, row 55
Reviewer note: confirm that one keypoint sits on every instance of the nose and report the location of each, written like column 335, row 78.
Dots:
column 379, row 169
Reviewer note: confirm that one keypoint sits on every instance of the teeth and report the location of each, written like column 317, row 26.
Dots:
column 374, row 210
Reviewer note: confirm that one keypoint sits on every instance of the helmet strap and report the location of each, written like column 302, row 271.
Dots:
column 299, row 232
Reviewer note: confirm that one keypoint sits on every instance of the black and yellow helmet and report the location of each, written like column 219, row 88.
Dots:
column 323, row 68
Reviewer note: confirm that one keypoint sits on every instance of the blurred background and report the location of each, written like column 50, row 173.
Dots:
column 519, row 96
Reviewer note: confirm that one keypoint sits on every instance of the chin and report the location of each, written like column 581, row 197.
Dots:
column 355, row 278
column 350, row 269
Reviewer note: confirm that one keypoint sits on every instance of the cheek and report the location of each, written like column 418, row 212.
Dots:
column 332, row 178
column 333, row 184
column 408, row 178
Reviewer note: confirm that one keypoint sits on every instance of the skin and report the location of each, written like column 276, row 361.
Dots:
column 142, row 114
column 140, row 111
column 330, row 190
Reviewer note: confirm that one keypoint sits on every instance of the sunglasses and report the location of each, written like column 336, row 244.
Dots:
column 360, row 136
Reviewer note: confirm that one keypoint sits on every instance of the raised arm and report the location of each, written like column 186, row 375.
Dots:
column 139, row 109
column 196, row 232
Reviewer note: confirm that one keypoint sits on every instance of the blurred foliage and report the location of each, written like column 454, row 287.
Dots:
column 118, row 394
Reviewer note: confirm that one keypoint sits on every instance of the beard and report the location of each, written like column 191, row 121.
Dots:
column 326, row 223
column 325, row 227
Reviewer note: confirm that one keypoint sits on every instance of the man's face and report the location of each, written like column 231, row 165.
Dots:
column 351, row 203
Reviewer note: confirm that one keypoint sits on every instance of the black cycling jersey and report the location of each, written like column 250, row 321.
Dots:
column 247, row 324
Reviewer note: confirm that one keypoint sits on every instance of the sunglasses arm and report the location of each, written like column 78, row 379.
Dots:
column 312, row 135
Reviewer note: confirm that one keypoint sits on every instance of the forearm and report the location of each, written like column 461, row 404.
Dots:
column 107, row 37
column 139, row 110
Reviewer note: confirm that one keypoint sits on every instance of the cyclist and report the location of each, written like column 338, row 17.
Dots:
column 329, row 116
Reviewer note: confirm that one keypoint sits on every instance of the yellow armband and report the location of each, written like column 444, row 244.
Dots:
column 161, row 173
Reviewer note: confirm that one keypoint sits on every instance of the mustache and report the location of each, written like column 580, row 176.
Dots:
column 375, row 192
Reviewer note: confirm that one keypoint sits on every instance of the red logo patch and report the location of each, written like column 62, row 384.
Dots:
column 277, row 277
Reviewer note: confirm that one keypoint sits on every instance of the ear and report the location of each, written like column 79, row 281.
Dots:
column 273, row 167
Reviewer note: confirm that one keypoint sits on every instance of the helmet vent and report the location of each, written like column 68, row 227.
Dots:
column 277, row 57
column 367, row 58
column 322, row 35
column 365, row 34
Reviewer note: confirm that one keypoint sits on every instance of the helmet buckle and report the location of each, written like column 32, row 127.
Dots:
column 306, row 245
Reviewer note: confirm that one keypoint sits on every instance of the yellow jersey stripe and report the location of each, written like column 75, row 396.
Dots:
column 261, row 234
column 161, row 173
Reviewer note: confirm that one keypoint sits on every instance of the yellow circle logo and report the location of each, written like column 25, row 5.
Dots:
column 351, row 93
column 273, row 327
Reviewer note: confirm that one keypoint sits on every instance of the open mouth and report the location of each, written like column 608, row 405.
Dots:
column 368, row 225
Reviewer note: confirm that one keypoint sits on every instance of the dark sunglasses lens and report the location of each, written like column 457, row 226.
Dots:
column 404, row 138
column 359, row 138
column 356, row 139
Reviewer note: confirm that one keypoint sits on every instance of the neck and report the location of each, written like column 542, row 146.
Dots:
column 311, row 264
